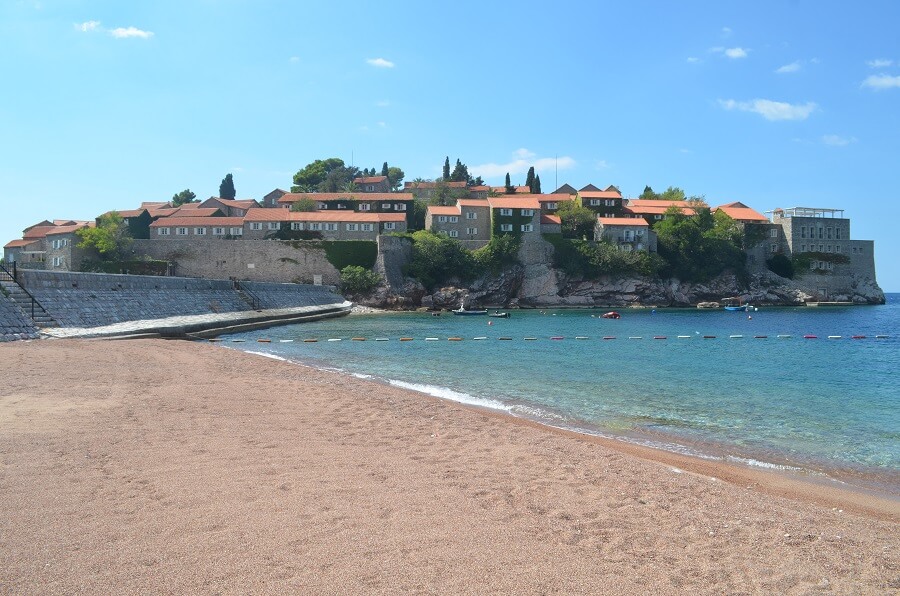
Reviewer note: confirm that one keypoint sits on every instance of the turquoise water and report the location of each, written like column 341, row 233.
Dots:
column 822, row 406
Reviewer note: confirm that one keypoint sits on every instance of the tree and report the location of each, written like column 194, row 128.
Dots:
column 226, row 189
column 395, row 177
column 577, row 221
column 304, row 204
column 446, row 172
column 536, row 188
column 441, row 194
column 437, row 258
column 110, row 237
column 648, row 194
column 529, row 179
column 356, row 280
column 699, row 247
column 460, row 173
column 185, row 196
column 477, row 181
column 509, row 187
column 385, row 170
column 314, row 174
column 673, row 193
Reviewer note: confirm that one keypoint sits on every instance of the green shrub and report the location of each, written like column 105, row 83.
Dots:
column 357, row 280
column 437, row 258
column 497, row 254
column 342, row 253
column 589, row 260
column 781, row 266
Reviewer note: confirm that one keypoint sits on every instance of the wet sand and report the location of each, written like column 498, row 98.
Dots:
column 153, row 466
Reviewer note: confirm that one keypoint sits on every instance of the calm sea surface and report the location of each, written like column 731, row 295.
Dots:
column 825, row 407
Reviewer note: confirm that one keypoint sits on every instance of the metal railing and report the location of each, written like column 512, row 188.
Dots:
column 255, row 302
column 35, row 305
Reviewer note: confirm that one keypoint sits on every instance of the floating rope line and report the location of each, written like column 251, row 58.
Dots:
column 335, row 339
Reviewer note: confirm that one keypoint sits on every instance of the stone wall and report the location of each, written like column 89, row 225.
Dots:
column 95, row 299
column 253, row 260
column 13, row 322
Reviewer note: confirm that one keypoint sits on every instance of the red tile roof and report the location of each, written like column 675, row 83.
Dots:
column 480, row 188
column 293, row 197
column 427, row 184
column 369, row 179
column 740, row 212
column 20, row 243
column 333, row 215
column 36, row 232
column 510, row 202
column 524, row 190
column 443, row 210
column 197, row 212
column 600, row 194
column 651, row 207
column 550, row 219
column 69, row 229
column 197, row 222
column 473, row 203
column 127, row 212
column 623, row 221
column 554, row 198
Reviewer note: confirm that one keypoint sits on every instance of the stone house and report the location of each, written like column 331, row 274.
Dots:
column 516, row 215
column 606, row 203
column 271, row 199
column 230, row 207
column 652, row 210
column 330, row 224
column 626, row 234
column 28, row 254
column 550, row 224
column 469, row 221
column 372, row 184
column 424, row 189
column 375, row 202
column 198, row 228
column 550, row 202
column 61, row 248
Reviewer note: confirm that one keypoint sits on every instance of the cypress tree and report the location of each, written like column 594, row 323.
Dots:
column 226, row 188
column 447, row 168
column 384, row 169
column 536, row 189
column 529, row 179
column 509, row 188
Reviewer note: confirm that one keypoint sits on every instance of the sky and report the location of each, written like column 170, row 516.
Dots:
column 106, row 104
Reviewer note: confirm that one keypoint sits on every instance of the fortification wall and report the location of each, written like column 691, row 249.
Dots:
column 254, row 260
column 13, row 323
column 95, row 299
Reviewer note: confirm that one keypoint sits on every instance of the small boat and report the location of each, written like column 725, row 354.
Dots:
column 462, row 311
column 611, row 315
column 737, row 305
column 499, row 315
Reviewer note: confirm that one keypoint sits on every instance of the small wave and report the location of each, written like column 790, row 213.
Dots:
column 749, row 461
column 362, row 376
column 450, row 394
column 267, row 355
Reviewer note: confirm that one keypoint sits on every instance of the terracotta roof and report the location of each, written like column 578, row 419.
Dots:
column 201, row 222
column 443, row 210
column 197, row 212
column 20, row 243
column 127, row 212
column 69, row 229
column 161, row 211
column 191, row 205
column 369, row 179
column 426, row 184
column 651, row 207
column 600, row 194
column 623, row 221
column 554, row 198
column 67, row 222
column 473, row 203
column 36, row 232
column 740, row 212
column 508, row 202
column 480, row 188
column 149, row 204
column 550, row 219
column 293, row 197
column 524, row 190
column 39, row 224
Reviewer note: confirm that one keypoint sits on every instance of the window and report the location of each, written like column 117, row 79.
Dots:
column 321, row 206
column 821, row 233
column 454, row 219
column 528, row 212
column 453, row 233
column 315, row 226
column 352, row 227
column 218, row 231
column 837, row 248
column 774, row 248
column 370, row 187
column 802, row 248
column 390, row 225
column 657, row 216
column 838, row 233
column 471, row 231
column 821, row 248
column 506, row 212
column 803, row 231
column 385, row 205
column 527, row 228
column 828, row 248
column 341, row 206
column 274, row 225
column 57, row 261
column 366, row 227
column 400, row 206
column 255, row 226
column 639, row 233
column 552, row 205
column 296, row 225
column 163, row 231
column 366, row 206
column 331, row 227
column 442, row 219
column 506, row 227
column 629, row 236
column 236, row 231
column 594, row 202
column 829, row 232
column 773, row 233
column 199, row 231
column 471, row 215
column 609, row 202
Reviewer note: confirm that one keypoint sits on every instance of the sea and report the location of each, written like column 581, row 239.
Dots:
column 811, row 391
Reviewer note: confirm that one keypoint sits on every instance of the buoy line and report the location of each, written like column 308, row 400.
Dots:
column 552, row 337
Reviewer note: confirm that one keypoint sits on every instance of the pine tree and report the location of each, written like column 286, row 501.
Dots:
column 536, row 188
column 529, row 179
column 226, row 189
column 509, row 188
column 384, row 169
column 446, row 168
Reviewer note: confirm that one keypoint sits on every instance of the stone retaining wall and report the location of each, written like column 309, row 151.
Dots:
column 13, row 323
column 95, row 299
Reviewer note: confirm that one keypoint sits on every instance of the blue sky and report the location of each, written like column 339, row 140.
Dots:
column 776, row 104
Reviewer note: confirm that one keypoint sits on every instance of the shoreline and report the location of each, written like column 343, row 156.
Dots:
column 157, row 466
column 812, row 486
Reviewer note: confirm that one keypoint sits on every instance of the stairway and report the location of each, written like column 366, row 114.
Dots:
column 28, row 305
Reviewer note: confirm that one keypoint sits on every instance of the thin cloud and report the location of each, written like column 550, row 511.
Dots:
column 736, row 53
column 879, row 63
column 380, row 63
column 789, row 68
column 522, row 160
column 602, row 164
column 118, row 32
column 384, row 103
column 837, row 141
column 294, row 59
column 726, row 31
column 126, row 32
column 771, row 110
column 693, row 59
column 881, row 82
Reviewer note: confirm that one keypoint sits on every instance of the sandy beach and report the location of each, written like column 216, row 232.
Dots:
column 166, row 466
